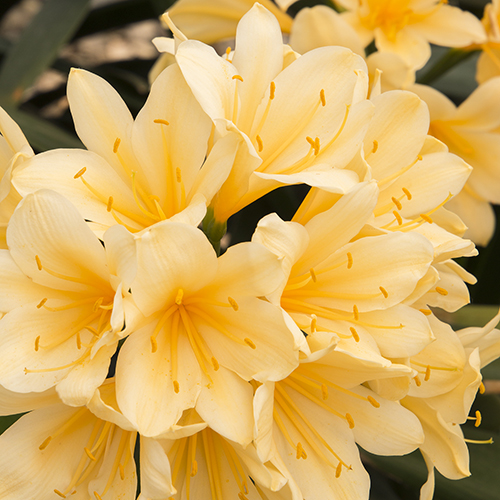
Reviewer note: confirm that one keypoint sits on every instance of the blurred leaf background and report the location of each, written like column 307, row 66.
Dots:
column 40, row 40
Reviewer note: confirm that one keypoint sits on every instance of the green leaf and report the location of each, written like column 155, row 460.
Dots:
column 38, row 46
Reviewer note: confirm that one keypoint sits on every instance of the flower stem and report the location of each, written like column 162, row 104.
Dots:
column 214, row 229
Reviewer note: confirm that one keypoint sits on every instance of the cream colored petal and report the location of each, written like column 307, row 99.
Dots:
column 56, row 170
column 478, row 111
column 477, row 214
column 396, row 134
column 27, row 471
column 394, row 262
column 175, row 151
column 210, row 78
column 488, row 65
column 46, row 225
column 396, row 74
column 451, row 27
column 320, row 26
column 454, row 406
column 171, row 256
column 388, row 429
column 19, row 331
column 16, row 288
column 194, row 213
column 226, row 406
column 408, row 43
column 314, row 476
column 13, row 135
column 414, row 335
column 155, row 470
column 263, row 405
column 354, row 20
column 444, row 443
column 446, row 359
column 144, row 386
column 17, row 402
column 258, row 58
column 275, row 354
column 440, row 106
column 485, row 176
column 101, row 117
column 332, row 229
column 78, row 387
column 427, row 490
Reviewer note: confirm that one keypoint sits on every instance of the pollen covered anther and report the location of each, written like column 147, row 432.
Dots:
column 373, row 401
column 324, row 391
column 407, row 193
column 215, row 364
column 482, row 389
column 80, row 173
column 37, row 343
column 338, row 470
column 57, row 492
column 350, row 420
column 116, row 145
column 349, row 260
column 109, row 206
column 176, row 386
column 313, row 275
column 397, row 203
column 375, row 146
column 314, row 323
column 233, row 303
column 272, row 90
column 384, row 291
column 441, row 291
column 426, row 312
column 322, row 97
column 355, row 312
column 427, row 373
column 399, row 219
column 38, row 262
column 249, row 343
column 417, row 380
column 426, row 218
column 354, row 333
column 178, row 298
column 160, row 121
column 238, row 77
column 260, row 144
column 45, row 443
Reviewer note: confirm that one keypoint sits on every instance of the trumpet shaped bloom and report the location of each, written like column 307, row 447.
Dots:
column 135, row 172
column 206, row 331
column 407, row 27
column 488, row 65
column 471, row 132
column 297, row 119
column 60, row 302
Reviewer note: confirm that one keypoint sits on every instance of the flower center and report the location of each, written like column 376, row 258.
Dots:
column 444, row 131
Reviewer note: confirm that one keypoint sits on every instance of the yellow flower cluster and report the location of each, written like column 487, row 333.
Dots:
column 255, row 373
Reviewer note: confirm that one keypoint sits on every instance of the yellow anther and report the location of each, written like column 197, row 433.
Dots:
column 260, row 144
column 426, row 218
column 373, row 401
column 38, row 262
column 350, row 420
column 215, row 364
column 272, row 91
column 407, row 193
column 154, row 344
column 324, row 391
column 355, row 312
column 375, row 146
column 41, row 303
column 80, row 172
column 313, row 275
column 178, row 298
column 233, row 303
column 397, row 203
column 338, row 470
column 419, row 157
column 109, row 206
column 194, row 468
column 178, row 175
column 228, row 51
column 98, row 497
column 349, row 260
column 300, row 451
column 57, row 492
column 427, row 312
column 441, row 291
column 322, row 97
column 417, row 380
column 310, row 140
column 314, row 322
column 398, row 217
column 248, row 342
column 238, row 77
column 354, row 333
column 482, row 389
column 384, row 291
column 176, row 387
column 162, row 122
column 116, row 145
column 37, row 343
column 479, row 418
column 316, row 146
column 45, row 443
column 427, row 373
column 89, row 454
column 78, row 341
column 122, row 471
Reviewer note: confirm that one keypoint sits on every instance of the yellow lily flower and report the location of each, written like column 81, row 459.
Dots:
column 488, row 65
column 408, row 27
column 471, row 132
